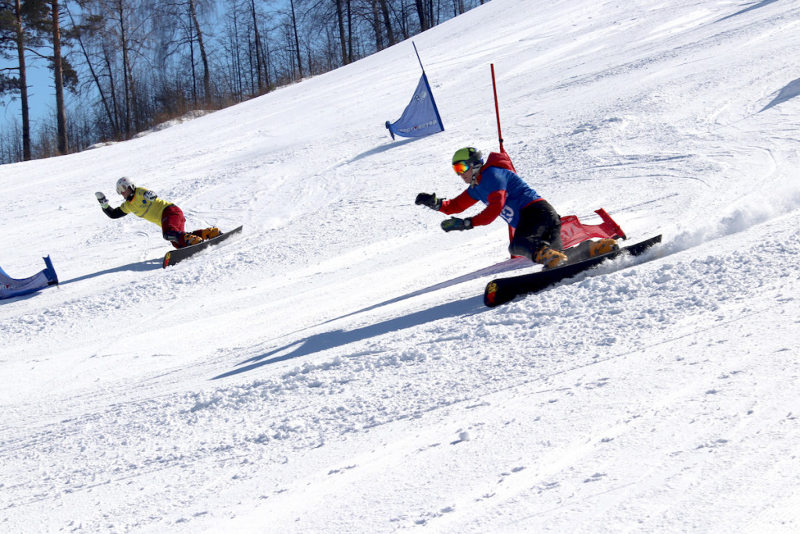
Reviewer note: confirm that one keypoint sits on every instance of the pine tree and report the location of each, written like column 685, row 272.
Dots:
column 14, row 38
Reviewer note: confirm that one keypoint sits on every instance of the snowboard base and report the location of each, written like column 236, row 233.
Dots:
column 502, row 290
column 179, row 254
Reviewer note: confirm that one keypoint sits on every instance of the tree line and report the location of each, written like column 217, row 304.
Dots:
column 135, row 63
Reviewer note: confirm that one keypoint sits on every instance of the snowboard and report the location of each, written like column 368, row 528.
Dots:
column 502, row 290
column 179, row 254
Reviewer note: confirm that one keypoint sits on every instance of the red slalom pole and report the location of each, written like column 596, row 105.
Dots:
column 500, row 138
column 497, row 112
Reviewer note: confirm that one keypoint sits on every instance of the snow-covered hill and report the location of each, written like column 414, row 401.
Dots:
column 302, row 379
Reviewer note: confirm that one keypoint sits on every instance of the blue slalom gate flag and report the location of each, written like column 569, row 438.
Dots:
column 14, row 287
column 421, row 117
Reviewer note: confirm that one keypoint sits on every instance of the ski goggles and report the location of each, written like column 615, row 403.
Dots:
column 461, row 167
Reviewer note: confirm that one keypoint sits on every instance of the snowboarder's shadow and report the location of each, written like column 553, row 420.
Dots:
column 141, row 266
column 339, row 338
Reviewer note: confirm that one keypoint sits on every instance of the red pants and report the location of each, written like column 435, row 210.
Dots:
column 172, row 225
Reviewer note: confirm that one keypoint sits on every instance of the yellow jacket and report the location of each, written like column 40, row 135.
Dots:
column 145, row 204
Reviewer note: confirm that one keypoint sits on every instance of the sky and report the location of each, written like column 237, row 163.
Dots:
column 40, row 95
column 333, row 368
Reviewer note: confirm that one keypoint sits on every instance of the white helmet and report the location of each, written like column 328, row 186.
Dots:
column 125, row 187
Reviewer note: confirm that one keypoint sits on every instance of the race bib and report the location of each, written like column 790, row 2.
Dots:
column 507, row 214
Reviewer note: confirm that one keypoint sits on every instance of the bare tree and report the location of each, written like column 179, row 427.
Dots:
column 296, row 40
column 384, row 7
column 10, row 143
column 203, row 56
column 77, row 33
column 257, row 43
column 126, row 37
column 421, row 13
column 233, row 49
column 58, row 75
column 342, row 34
column 122, row 19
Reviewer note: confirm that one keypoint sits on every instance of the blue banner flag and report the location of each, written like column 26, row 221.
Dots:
column 14, row 287
column 421, row 117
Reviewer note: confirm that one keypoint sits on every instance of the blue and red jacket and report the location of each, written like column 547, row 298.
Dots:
column 498, row 186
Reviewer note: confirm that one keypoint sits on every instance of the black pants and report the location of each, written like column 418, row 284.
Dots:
column 539, row 226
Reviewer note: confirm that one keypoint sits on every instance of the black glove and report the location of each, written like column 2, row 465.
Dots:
column 429, row 200
column 101, row 198
column 454, row 223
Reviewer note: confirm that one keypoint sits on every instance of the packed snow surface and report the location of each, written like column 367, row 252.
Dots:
column 333, row 369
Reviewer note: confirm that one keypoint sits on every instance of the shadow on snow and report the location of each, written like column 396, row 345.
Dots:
column 141, row 266
column 339, row 338
column 763, row 3
column 380, row 149
column 790, row 90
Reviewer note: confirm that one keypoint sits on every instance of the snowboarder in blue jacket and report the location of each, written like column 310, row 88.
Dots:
column 535, row 223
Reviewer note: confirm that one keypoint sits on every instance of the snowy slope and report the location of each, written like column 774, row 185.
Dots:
column 334, row 370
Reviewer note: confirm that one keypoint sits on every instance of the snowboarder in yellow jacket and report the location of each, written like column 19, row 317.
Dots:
column 146, row 204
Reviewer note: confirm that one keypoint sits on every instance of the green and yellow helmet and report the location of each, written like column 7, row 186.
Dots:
column 467, row 158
